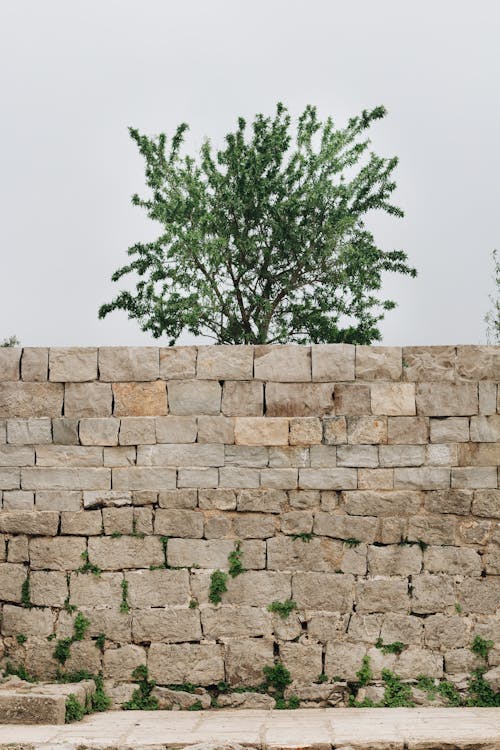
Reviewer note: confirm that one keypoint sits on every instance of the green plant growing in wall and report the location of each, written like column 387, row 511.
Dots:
column 87, row 566
column 124, row 605
column 481, row 647
column 234, row 558
column 25, row 593
column 396, row 693
column 284, row 609
column 142, row 698
column 390, row 648
column 365, row 674
column 218, row 586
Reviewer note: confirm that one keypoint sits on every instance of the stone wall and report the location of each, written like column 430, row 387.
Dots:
column 359, row 482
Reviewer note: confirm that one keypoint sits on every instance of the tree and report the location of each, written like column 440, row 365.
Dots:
column 264, row 241
column 10, row 341
column 492, row 318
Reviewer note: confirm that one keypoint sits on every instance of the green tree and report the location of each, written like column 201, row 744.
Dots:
column 492, row 318
column 264, row 241
column 10, row 341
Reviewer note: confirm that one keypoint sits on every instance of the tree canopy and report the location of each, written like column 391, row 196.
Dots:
column 264, row 241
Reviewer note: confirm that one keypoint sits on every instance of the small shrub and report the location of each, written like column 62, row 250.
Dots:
column 282, row 608
column 80, row 627
column 352, row 542
column 365, row 673
column 124, row 606
column 25, row 593
column 100, row 701
column 196, row 706
column 481, row 647
column 390, row 648
column 87, row 566
column 235, row 565
column 218, row 581
column 100, row 641
column 21, row 638
column 277, row 677
column 142, row 700
column 74, row 709
column 480, row 693
column 397, row 693
column 305, row 537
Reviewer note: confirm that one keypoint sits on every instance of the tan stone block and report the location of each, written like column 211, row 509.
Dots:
column 442, row 454
column 323, row 591
column 479, row 595
column 445, row 632
column 487, row 397
column 452, row 560
column 378, row 363
column 305, row 431
column 84, row 655
column 352, row 399
column 143, row 521
column 287, row 456
column 15, row 620
column 403, row 628
column 204, row 553
column 39, row 523
column 87, row 400
column 447, row 399
column 358, row 455
column 235, row 622
column 485, row 503
column 482, row 429
column 478, row 362
column 304, row 661
column 344, row 659
column 175, row 664
column 124, row 363
column 243, row 398
column 29, row 431
column 304, row 499
column 408, row 430
column 48, row 588
column 432, row 593
column 474, row 477
column 246, row 700
column 422, row 478
column 13, row 455
column 299, row 399
column 177, row 362
column 119, row 663
column 135, row 430
column 394, row 560
column 449, row 430
column 176, row 429
column 39, row 660
column 188, row 397
column 364, row 627
column 10, row 358
column 282, row 363
column 327, row 626
column 329, row 500
column 253, row 525
column 65, row 431
column 145, row 497
column 392, row 530
column 335, row 430
column 388, row 503
column 157, row 588
column 432, row 529
column 473, row 531
column 178, row 499
column 382, row 595
column 58, row 500
column 319, row 555
column 116, row 625
column 379, row 662
column 125, row 552
column 39, row 478
column 328, row 479
column 415, row 661
column 479, row 454
column 96, row 592
column 258, row 456
column 234, row 362
column 31, row 399
column 261, row 431
column 429, row 363
column 118, row 520
column 18, row 549
column 166, row 625
column 219, row 527
column 280, row 479
column 18, row 500
column 144, row 478
column 140, row 399
column 35, row 364
column 3, row 431
column 345, row 527
column 56, row 553
column 332, row 362
column 258, row 588
column 215, row 430
column 296, row 522
column 217, row 499
column 449, row 501
column 176, row 454
column 393, row 399
column 368, row 430
column 402, row 455
column 72, row 364
column 203, row 478
column 245, row 660
column 106, row 499
column 461, row 661
column 124, row 455
column 261, row 500
column 68, row 455
column 180, row 523
column 375, row 479
column 12, row 578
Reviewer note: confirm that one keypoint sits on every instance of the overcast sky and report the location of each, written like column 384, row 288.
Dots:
column 75, row 73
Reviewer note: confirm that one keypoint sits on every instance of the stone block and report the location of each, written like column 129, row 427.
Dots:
column 461, row 661
column 216, row 499
column 415, row 661
column 402, row 455
column 318, row 555
column 35, row 364
column 304, row 661
column 299, row 399
column 258, row 588
column 243, row 398
column 250, row 456
column 429, row 363
column 18, row 549
column 296, row 522
column 215, row 430
column 367, row 430
column 305, row 499
column 144, row 478
column 87, row 400
column 235, row 622
column 260, row 431
column 282, row 363
column 332, row 362
column 10, row 359
column 479, row 454
column 12, row 578
column 166, row 625
column 118, row 520
column 408, row 430
column 289, row 456
column 36, row 523
column 29, row 431
column 38, row 478
column 38, row 622
column 357, row 456
column 328, row 479
column 394, row 560
column 334, row 430
column 261, row 500
column 482, row 429
column 375, row 479
column 246, row 701
column 305, row 431
column 403, row 628
column 478, row 362
column 202, row 477
column 116, row 625
column 422, row 478
column 180, row 523
column 280, row 479
column 177, row 663
column 449, row 430
column 365, row 628
column 252, row 525
column 446, row 632
column 96, row 592
column 178, row 362
column 344, row 660
column 65, row 431
column 474, row 531
column 176, row 429
column 485, row 503
column 31, row 399
column 382, row 595
column 124, row 455
column 234, row 362
column 474, row 477
column 238, row 478
column 453, row 560
column 432, row 529
column 447, row 399
column 18, row 500
column 442, row 454
column 14, row 455
column 382, row 503
column 56, row 553
column 352, row 399
column 137, row 430
column 157, row 588
column 106, row 499
column 245, row 660
column 177, row 454
column 125, row 552
column 487, row 397
column 72, row 364
column 58, row 500
column 85, row 656
column 3, row 431
column 449, row 501
column 479, row 596
column 379, row 363
column 124, row 363
column 119, row 663
column 432, row 593
column 68, row 455
column 393, row 399
column 140, row 399
column 345, row 527
column 188, row 397
column 323, row 591
column 211, row 553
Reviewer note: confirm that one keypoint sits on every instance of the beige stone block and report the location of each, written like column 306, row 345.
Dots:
column 235, row 622
column 335, row 430
column 215, row 430
column 449, row 430
column 432, row 529
column 65, row 431
column 39, row 523
column 180, row 523
column 378, row 363
column 452, row 560
column 39, row 478
column 299, row 399
column 345, row 527
column 145, row 497
column 176, row 429
column 116, row 625
column 118, row 520
column 303, row 660
column 48, row 588
column 375, row 479
column 119, row 663
column 234, row 362
column 13, row 455
column 87, row 400
column 352, row 399
column 96, row 592
column 29, row 431
column 478, row 362
column 473, row 531
column 323, row 591
column 245, row 660
column 202, row 477
column 415, row 661
column 175, row 664
column 72, row 364
column 344, row 660
column 246, row 700
column 393, row 399
column 157, row 588
column 206, row 553
column 287, row 456
column 358, row 455
column 18, row 500
column 10, row 358
column 296, row 522
column 379, row 662
column 392, row 530
column 482, row 429
column 68, row 455
column 305, row 431
column 56, row 553
column 487, row 397
column 124, row 455
column 479, row 454
column 3, row 431
column 140, row 399
column 31, row 399
column 449, row 501
column 256, row 456
column 402, row 455
column 124, row 363
column 243, row 398
column 144, row 478
column 252, row 525
column 35, row 364
column 442, row 454
column 403, row 628
column 408, row 430
column 394, row 560
column 219, row 527
column 429, row 363
column 474, row 477
column 258, row 588
column 372, row 503
column 317, row 555
column 217, row 499
column 18, row 549
column 432, row 593
column 367, row 430
column 461, row 661
column 305, row 499
column 261, row 500
column 58, row 500
column 382, row 595
column 279, row 479
column 327, row 626
column 84, row 655
column 485, row 503
column 446, row 632
column 332, row 362
column 177, row 362
column 328, row 479
column 283, row 363
column 261, row 431
column 110, row 553
column 364, row 627
column 16, row 620
column 447, row 399
column 166, row 625
column 178, row 498
column 479, row 595
column 12, row 578
column 176, row 454
column 137, row 430
column 188, row 397
column 422, row 478
column 106, row 499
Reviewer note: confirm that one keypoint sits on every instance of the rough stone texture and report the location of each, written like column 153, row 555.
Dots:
column 128, row 363
column 333, row 362
column 72, row 364
column 187, row 397
column 140, row 399
column 225, row 363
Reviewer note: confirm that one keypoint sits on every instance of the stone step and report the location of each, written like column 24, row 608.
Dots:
column 23, row 703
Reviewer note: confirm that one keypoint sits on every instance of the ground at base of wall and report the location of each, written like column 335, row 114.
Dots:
column 320, row 729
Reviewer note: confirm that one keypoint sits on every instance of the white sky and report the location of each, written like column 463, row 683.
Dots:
column 75, row 73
